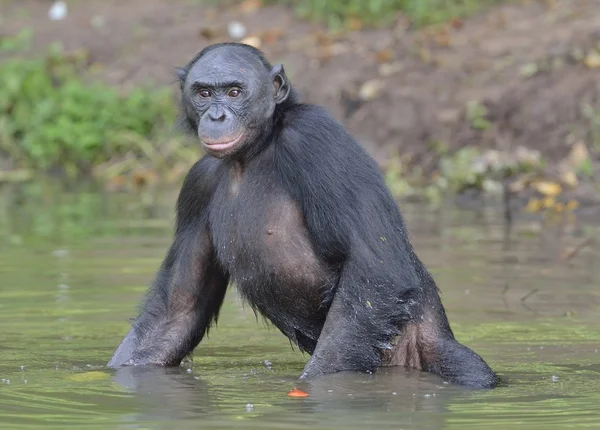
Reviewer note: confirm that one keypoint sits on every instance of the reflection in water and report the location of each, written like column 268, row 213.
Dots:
column 167, row 394
column 73, row 269
column 393, row 398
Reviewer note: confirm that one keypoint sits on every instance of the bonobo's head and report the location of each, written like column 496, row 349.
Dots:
column 231, row 97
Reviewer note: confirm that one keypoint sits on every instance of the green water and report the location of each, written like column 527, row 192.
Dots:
column 73, row 268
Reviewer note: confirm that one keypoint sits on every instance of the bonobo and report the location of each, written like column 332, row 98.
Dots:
column 289, row 207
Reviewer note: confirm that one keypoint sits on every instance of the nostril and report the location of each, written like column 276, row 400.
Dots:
column 220, row 116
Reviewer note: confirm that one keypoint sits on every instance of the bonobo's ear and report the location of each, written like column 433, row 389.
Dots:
column 282, row 86
column 182, row 74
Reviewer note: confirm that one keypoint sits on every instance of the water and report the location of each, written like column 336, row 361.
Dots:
column 73, row 268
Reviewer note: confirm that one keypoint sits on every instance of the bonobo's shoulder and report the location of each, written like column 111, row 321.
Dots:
column 206, row 166
column 204, row 174
column 311, row 131
column 197, row 190
column 304, row 118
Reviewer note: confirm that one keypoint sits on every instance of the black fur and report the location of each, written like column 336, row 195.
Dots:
column 300, row 218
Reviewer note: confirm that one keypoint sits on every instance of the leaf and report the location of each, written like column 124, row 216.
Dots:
column 370, row 90
column 298, row 393
column 534, row 205
column 355, row 24
column 384, row 55
column 252, row 41
column 529, row 70
column 272, row 36
column 579, row 154
column 592, row 60
column 249, row 6
column 548, row 188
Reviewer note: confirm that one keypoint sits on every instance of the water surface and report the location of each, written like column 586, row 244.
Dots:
column 73, row 268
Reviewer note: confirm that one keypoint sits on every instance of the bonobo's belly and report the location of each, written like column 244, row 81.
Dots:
column 276, row 270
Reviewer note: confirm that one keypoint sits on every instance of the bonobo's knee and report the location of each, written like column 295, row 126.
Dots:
column 458, row 364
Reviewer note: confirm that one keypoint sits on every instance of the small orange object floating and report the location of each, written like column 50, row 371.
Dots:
column 298, row 393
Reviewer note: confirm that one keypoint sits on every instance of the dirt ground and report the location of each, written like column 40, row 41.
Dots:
column 398, row 90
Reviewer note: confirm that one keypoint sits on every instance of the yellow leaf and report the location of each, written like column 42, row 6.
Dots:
column 579, row 154
column 370, row 89
column 548, row 188
column 572, row 205
column 570, row 179
column 559, row 207
column 252, row 41
column 549, row 202
column 534, row 205
column 592, row 60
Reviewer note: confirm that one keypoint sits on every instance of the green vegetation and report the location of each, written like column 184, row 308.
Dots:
column 343, row 13
column 457, row 171
column 20, row 42
column 50, row 116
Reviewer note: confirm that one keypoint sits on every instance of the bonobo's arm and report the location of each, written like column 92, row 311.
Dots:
column 354, row 224
column 189, row 288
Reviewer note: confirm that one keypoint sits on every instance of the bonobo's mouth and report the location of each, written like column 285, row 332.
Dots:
column 221, row 144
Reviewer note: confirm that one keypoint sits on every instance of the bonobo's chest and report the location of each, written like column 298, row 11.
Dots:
column 260, row 237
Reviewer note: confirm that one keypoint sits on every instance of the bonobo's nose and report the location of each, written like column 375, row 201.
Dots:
column 217, row 115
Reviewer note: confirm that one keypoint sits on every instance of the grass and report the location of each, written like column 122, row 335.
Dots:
column 339, row 14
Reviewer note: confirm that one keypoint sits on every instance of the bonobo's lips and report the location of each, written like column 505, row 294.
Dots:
column 221, row 145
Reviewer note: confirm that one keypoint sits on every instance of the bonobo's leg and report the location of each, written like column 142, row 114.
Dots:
column 364, row 320
column 458, row 364
column 364, row 317
column 186, row 296
column 438, row 350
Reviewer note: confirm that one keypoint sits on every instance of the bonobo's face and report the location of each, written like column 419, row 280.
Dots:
column 230, row 96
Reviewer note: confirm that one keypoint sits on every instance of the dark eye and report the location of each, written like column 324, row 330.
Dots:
column 204, row 93
column 234, row 92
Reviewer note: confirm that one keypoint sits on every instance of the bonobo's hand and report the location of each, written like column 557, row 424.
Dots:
column 122, row 356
